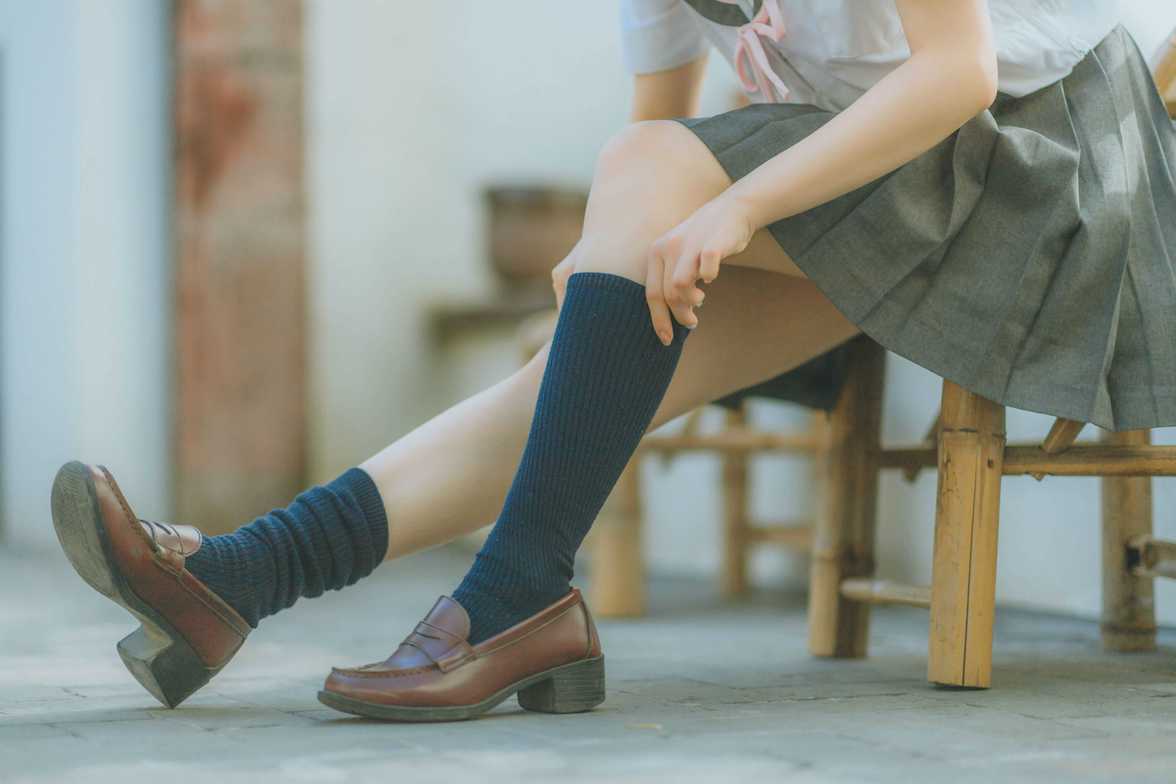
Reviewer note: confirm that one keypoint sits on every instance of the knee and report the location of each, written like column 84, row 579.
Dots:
column 647, row 181
column 642, row 145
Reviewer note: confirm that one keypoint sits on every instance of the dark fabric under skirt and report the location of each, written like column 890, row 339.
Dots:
column 1030, row 257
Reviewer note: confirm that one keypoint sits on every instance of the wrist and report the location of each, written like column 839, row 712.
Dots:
column 746, row 206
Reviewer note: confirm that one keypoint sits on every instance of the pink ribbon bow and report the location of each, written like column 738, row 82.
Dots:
column 751, row 61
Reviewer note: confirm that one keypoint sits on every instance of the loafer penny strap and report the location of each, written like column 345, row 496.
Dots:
column 442, row 647
column 183, row 540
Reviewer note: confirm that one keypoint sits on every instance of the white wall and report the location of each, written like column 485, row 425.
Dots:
column 411, row 111
column 85, row 159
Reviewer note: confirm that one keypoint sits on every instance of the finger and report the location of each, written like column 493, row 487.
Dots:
column 658, row 312
column 685, row 281
column 679, row 307
column 708, row 264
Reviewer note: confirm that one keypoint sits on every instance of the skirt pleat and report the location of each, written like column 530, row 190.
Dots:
column 1028, row 257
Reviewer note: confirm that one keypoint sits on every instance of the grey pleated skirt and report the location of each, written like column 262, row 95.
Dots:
column 1030, row 257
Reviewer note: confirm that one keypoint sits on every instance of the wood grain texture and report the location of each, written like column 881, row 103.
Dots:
column 1165, row 72
column 1078, row 460
column 1128, row 600
column 734, row 491
column 967, row 515
column 863, row 589
column 616, row 544
column 1061, row 436
column 843, row 541
column 1154, row 557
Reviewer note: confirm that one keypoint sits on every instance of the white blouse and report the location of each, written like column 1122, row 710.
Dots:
column 831, row 51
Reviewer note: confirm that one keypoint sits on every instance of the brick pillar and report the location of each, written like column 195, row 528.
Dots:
column 240, row 311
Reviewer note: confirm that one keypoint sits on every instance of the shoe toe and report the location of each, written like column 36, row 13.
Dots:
column 351, row 681
column 340, row 679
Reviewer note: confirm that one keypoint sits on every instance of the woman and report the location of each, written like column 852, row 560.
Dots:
column 983, row 187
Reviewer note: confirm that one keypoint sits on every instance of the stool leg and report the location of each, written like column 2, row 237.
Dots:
column 1129, row 613
column 617, row 588
column 967, row 513
column 843, row 539
column 733, row 577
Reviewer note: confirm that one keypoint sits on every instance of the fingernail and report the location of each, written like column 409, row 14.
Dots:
column 665, row 339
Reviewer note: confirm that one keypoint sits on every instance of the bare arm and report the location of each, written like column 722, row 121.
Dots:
column 949, row 78
column 668, row 94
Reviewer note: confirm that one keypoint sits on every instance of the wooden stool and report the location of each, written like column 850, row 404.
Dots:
column 617, row 537
column 971, row 456
column 1165, row 69
column 967, row 445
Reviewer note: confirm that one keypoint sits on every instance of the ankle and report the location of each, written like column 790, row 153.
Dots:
column 233, row 568
column 329, row 537
column 496, row 600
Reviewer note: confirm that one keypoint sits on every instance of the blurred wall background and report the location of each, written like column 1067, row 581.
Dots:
column 84, row 250
column 410, row 111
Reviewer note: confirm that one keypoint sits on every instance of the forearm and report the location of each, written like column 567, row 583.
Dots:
column 668, row 94
column 914, row 107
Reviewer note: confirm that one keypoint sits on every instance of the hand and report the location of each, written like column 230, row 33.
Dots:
column 690, row 252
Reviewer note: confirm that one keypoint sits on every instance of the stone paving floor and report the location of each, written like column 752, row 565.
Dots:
column 699, row 691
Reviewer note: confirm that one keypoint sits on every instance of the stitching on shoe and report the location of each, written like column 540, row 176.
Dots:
column 388, row 673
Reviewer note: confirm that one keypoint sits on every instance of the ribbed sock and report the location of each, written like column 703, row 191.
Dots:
column 606, row 375
column 327, row 538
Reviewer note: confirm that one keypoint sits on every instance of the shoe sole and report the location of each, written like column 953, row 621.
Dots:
column 569, row 688
column 156, row 654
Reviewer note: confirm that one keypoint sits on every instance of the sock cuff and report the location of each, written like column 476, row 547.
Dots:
column 360, row 486
column 606, row 280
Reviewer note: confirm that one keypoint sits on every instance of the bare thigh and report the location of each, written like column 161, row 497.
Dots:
column 755, row 326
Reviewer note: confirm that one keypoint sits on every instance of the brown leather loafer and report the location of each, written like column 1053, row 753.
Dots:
column 552, row 661
column 188, row 633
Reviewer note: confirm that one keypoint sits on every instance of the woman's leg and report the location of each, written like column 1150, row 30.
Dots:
column 451, row 475
column 755, row 325
column 607, row 373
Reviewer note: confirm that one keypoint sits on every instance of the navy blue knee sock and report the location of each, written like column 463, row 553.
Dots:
column 328, row 538
column 605, row 377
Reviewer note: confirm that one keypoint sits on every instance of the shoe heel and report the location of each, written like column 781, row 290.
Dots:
column 570, row 689
column 165, row 666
